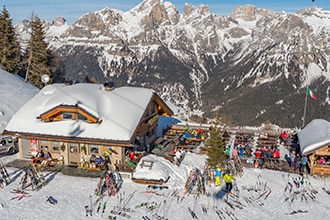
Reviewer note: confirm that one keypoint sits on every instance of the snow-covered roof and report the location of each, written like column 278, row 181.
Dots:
column 120, row 111
column 162, row 169
column 315, row 135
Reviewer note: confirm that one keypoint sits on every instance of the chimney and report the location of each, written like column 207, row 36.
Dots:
column 109, row 86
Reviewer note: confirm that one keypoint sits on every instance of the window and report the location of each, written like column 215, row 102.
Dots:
column 56, row 146
column 93, row 149
column 73, row 148
column 153, row 108
column 67, row 115
column 146, row 113
column 43, row 145
column 110, row 149
column 81, row 117
column 9, row 140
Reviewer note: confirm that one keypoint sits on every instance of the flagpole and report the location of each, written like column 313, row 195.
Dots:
column 305, row 108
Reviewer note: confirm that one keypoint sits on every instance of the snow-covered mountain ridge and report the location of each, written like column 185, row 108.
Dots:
column 253, row 65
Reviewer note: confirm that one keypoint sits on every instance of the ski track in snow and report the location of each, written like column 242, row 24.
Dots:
column 73, row 194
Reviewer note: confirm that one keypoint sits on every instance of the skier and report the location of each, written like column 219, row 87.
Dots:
column 229, row 181
column 217, row 172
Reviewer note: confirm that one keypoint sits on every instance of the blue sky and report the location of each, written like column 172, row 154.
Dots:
column 71, row 10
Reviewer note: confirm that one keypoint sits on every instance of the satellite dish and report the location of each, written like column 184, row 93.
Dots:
column 45, row 78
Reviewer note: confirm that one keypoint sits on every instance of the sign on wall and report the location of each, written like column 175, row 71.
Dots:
column 33, row 146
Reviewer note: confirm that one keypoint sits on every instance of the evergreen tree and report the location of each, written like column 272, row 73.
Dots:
column 9, row 45
column 38, row 55
column 216, row 146
column 204, row 119
column 57, row 68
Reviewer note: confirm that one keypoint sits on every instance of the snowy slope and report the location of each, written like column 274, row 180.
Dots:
column 72, row 194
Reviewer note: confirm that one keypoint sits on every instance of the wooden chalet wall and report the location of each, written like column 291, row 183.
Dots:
column 82, row 152
column 316, row 168
column 146, row 131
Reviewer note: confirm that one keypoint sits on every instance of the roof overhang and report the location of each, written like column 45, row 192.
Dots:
column 69, row 139
column 314, row 136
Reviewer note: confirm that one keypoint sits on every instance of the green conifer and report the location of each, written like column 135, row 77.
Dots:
column 38, row 55
column 216, row 146
column 9, row 45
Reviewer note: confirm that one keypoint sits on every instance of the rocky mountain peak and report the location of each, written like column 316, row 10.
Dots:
column 156, row 16
column 59, row 21
column 252, row 71
column 249, row 12
column 245, row 12
column 146, row 5
column 200, row 10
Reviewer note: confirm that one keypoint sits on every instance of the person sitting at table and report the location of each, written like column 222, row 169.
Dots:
column 92, row 162
column 39, row 155
column 99, row 161
column 48, row 157
column 322, row 161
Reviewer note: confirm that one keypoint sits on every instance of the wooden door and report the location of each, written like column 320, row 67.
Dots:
column 73, row 153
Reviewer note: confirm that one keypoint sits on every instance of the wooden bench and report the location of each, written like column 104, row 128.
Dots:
column 40, row 161
column 272, row 162
column 267, row 142
column 147, row 163
column 86, row 165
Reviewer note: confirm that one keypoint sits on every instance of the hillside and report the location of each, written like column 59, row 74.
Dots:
column 253, row 65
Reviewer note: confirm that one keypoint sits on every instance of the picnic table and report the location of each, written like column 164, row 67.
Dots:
column 41, row 161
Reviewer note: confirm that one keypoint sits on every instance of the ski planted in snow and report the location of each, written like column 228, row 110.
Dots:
column 89, row 211
column 192, row 213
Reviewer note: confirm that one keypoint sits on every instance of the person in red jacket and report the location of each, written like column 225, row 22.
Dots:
column 131, row 155
column 258, row 153
column 258, row 156
column 276, row 154
column 283, row 137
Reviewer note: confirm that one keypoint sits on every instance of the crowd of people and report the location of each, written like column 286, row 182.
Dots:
column 263, row 153
column 100, row 162
column 190, row 135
